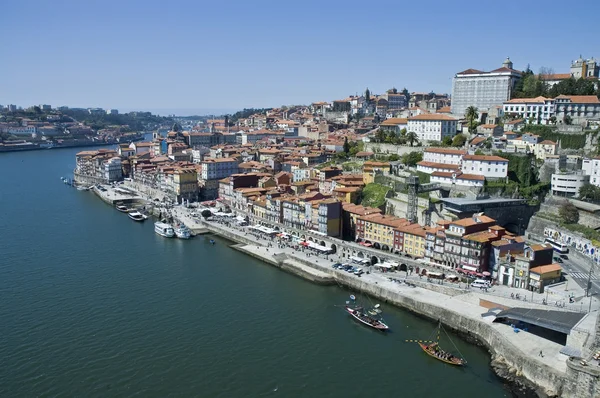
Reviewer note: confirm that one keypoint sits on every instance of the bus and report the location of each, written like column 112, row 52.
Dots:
column 558, row 247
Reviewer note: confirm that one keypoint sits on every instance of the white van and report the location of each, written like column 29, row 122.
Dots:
column 480, row 283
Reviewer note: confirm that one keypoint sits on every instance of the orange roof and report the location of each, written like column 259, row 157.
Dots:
column 515, row 121
column 477, row 140
column 555, row 76
column 485, row 158
column 444, row 109
column 432, row 116
column 394, row 121
column 438, row 165
column 581, row 99
column 544, row 269
column 547, row 142
column 536, row 100
column 390, row 221
column 489, row 126
column 466, row 222
column 459, row 175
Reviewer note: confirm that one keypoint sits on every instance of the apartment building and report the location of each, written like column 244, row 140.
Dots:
column 432, row 126
column 377, row 230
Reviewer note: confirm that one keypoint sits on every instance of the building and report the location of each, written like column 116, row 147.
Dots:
column 113, row 170
column 395, row 124
column 432, row 126
column 533, row 256
column 487, row 166
column 410, row 239
column 539, row 110
column 483, row 90
column 350, row 214
column 544, row 275
column 112, row 111
column 514, row 125
column 219, row 168
column 329, row 217
column 443, row 155
column 568, row 184
column 591, row 167
column 185, row 184
column 576, row 109
column 458, row 178
column 580, row 68
column 467, row 243
column 377, row 230
column 373, row 168
column 490, row 130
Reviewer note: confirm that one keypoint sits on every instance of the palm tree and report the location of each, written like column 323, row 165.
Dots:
column 411, row 137
column 471, row 115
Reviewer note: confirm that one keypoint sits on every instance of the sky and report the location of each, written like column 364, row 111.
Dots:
column 187, row 57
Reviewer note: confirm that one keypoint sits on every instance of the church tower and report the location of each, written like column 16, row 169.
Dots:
column 507, row 63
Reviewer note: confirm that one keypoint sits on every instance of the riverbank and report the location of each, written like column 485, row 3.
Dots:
column 31, row 146
column 515, row 356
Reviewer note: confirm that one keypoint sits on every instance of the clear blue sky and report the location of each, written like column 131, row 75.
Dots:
column 229, row 55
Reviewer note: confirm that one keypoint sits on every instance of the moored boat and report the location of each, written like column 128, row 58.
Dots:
column 137, row 216
column 164, row 229
column 433, row 349
column 360, row 315
column 182, row 232
column 123, row 208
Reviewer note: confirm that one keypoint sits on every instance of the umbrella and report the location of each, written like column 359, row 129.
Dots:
column 485, row 273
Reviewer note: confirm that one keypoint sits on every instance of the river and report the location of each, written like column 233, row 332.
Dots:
column 95, row 305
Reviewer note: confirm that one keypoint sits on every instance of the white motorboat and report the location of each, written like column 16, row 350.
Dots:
column 137, row 216
column 81, row 188
column 164, row 229
column 183, row 232
column 123, row 208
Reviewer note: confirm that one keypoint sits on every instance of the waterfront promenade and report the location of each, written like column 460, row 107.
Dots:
column 460, row 308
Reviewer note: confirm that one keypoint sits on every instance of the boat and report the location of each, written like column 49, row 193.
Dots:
column 164, row 229
column 123, row 208
column 80, row 188
column 182, row 232
column 137, row 216
column 360, row 314
column 212, row 242
column 433, row 350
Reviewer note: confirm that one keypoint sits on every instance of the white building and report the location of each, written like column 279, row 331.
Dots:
column 216, row 169
column 141, row 147
column 113, row 170
column 443, row 155
column 458, row 178
column 25, row 130
column 487, row 166
column 568, row 184
column 591, row 167
column 432, row 126
column 537, row 110
column 580, row 108
column 483, row 90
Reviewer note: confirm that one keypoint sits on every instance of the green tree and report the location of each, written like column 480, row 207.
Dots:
column 346, row 145
column 406, row 93
column 447, row 141
column 367, row 95
column 471, row 115
column 411, row 137
column 589, row 192
column 459, row 140
column 403, row 132
column 568, row 212
column 568, row 120
column 176, row 127
column 380, row 135
column 412, row 158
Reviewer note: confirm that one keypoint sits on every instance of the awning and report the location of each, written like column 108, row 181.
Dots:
column 560, row 321
column 367, row 244
column 384, row 265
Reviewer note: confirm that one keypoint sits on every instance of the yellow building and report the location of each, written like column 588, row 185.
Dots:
column 545, row 148
column 347, row 194
column 185, row 183
column 414, row 240
column 259, row 209
column 544, row 275
column 372, row 168
column 378, row 230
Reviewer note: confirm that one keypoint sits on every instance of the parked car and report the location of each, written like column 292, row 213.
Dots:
column 358, row 272
column 558, row 260
column 336, row 265
column 564, row 256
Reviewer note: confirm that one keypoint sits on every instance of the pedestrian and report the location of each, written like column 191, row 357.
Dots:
column 541, row 354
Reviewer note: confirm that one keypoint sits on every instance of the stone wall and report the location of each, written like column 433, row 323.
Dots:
column 391, row 148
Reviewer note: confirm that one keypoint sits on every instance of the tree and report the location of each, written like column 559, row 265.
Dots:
column 412, row 158
column 380, row 135
column 471, row 115
column 367, row 95
column 403, row 132
column 406, row 93
column 568, row 212
column 176, row 127
column 346, row 145
column 568, row 120
column 411, row 137
column 459, row 140
column 589, row 192
column 447, row 141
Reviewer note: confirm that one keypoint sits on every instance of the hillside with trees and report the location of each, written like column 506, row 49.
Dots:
column 530, row 86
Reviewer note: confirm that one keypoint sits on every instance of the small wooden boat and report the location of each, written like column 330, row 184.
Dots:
column 359, row 314
column 435, row 351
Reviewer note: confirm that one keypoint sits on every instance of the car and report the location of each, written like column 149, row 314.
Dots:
column 564, row 256
column 358, row 272
column 350, row 269
column 336, row 265
column 558, row 260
